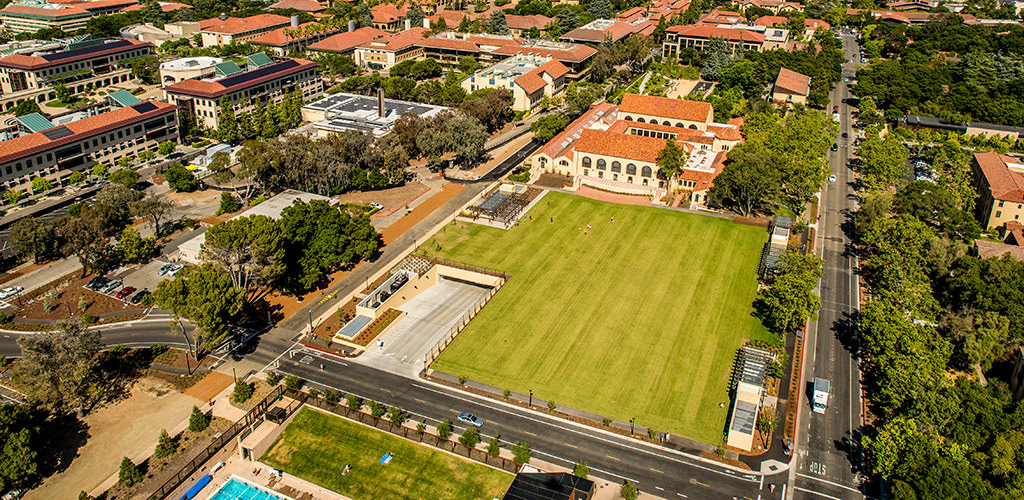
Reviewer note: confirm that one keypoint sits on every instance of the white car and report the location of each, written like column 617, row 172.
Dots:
column 832, row 178
column 10, row 291
column 376, row 205
column 175, row 269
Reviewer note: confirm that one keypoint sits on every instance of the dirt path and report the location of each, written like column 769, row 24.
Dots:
column 210, row 386
column 127, row 428
column 421, row 212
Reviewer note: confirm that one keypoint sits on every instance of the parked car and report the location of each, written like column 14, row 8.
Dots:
column 164, row 268
column 96, row 283
column 138, row 297
column 376, row 205
column 469, row 418
column 10, row 291
column 835, row 147
column 125, row 292
column 174, row 270
column 832, row 178
column 845, row 135
column 110, row 286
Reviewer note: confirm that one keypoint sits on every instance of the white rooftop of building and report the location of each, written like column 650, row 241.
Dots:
column 599, row 24
column 360, row 112
column 514, row 67
column 188, row 63
column 701, row 160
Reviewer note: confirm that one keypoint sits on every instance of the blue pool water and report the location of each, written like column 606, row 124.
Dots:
column 238, row 490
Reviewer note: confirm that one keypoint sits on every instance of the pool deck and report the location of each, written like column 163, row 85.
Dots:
column 288, row 486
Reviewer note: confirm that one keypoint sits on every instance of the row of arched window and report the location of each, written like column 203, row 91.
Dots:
column 617, row 167
column 665, row 122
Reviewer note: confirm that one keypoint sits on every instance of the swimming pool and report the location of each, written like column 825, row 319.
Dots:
column 236, row 489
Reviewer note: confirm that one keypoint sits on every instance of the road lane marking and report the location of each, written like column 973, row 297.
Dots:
column 613, row 458
column 418, row 400
column 572, row 446
column 659, row 488
column 385, row 390
column 826, row 481
column 530, row 433
column 816, row 493
column 682, row 495
column 745, row 477
column 694, row 481
column 656, row 470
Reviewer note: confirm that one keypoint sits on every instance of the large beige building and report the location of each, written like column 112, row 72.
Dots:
column 188, row 67
column 264, row 80
column 1000, row 183
column 54, row 151
column 384, row 52
column 528, row 77
column 96, row 63
column 615, row 148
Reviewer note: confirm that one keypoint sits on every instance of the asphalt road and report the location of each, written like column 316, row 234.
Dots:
column 140, row 333
column 616, row 458
column 828, row 454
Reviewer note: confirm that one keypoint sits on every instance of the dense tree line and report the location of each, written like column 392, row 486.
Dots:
column 936, row 319
column 265, row 121
column 951, row 70
column 781, row 163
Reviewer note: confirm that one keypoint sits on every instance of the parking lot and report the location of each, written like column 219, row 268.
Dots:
column 143, row 277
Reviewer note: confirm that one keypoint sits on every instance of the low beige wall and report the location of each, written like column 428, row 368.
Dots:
column 404, row 294
column 466, row 275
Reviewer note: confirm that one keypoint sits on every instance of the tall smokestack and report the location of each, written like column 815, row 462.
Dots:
column 351, row 25
column 380, row 103
column 295, row 21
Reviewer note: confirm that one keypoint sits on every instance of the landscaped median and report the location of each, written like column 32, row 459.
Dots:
column 317, row 447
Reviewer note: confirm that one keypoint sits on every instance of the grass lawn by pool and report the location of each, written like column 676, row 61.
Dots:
column 316, row 447
column 640, row 318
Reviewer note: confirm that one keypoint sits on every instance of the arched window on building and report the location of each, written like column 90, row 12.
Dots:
column 586, row 162
column 601, row 164
column 645, row 172
column 616, row 167
column 630, row 169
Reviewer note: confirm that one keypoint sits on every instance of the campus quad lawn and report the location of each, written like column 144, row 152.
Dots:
column 641, row 318
column 316, row 447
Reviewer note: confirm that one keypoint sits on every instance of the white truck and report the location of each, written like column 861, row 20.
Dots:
column 821, row 388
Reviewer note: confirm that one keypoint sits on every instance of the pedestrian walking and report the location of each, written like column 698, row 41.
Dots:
column 381, row 345
column 321, row 367
column 552, row 220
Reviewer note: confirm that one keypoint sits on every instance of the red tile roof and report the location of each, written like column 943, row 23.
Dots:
column 214, row 88
column 577, row 55
column 31, row 144
column 1004, row 184
column 452, row 18
column 534, row 81
column 631, row 14
column 1014, row 233
column 303, row 5
column 27, row 62
column 95, row 5
column 615, row 32
column 279, row 38
column 562, row 144
column 526, row 22
column 236, row 25
column 41, row 12
column 346, row 42
column 675, row 109
column 770, row 20
column 630, row 147
column 681, row 134
column 726, row 132
column 709, row 31
column 449, row 43
column 387, row 12
column 703, row 180
column 990, row 249
column 398, row 41
column 793, row 83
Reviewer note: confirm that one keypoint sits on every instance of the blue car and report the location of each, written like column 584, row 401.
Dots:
column 469, row 418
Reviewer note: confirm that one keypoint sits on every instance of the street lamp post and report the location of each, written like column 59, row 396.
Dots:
column 531, row 398
column 632, row 422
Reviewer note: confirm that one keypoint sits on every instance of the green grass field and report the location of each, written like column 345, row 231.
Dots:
column 316, row 447
column 640, row 318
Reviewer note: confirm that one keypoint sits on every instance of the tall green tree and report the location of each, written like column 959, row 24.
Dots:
column 58, row 369
column 227, row 126
column 206, row 296
column 790, row 300
column 885, row 160
column 498, row 24
column 31, row 236
column 671, row 159
column 19, row 432
column 249, row 249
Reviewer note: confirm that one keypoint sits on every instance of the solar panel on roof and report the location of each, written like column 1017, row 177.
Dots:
column 86, row 50
column 258, row 73
column 34, row 122
column 56, row 133
column 144, row 107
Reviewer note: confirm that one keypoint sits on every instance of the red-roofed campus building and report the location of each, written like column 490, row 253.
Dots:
column 346, row 43
column 272, row 80
column 54, row 151
column 999, row 180
column 529, row 78
column 227, row 30
column 615, row 148
column 93, row 62
column 384, row 52
column 284, row 40
column 791, row 87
